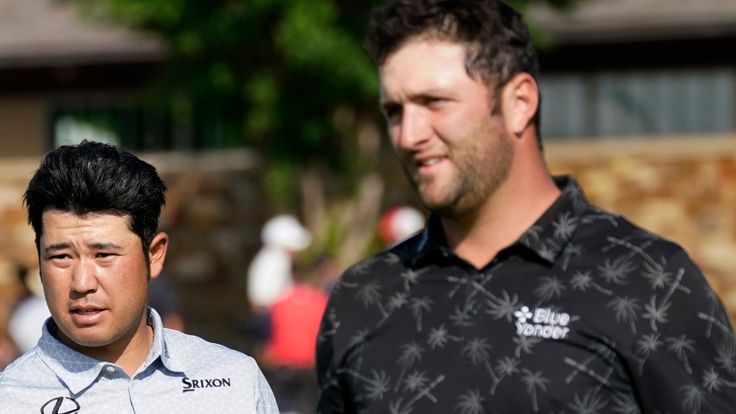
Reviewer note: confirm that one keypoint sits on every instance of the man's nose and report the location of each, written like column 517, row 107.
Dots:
column 413, row 129
column 84, row 278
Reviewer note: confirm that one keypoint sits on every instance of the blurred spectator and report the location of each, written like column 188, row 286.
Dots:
column 10, row 292
column 287, row 314
column 163, row 296
column 398, row 223
column 295, row 319
column 29, row 314
column 288, row 359
column 270, row 272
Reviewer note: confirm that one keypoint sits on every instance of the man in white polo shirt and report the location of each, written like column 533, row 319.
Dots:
column 94, row 208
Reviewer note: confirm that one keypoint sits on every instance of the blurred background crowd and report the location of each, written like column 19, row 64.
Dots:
column 262, row 118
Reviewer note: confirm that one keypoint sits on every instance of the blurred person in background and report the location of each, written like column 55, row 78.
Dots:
column 398, row 223
column 287, row 311
column 11, row 291
column 270, row 273
column 518, row 296
column 29, row 314
column 288, row 358
column 95, row 209
column 163, row 296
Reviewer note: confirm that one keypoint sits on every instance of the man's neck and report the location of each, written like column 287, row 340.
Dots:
column 136, row 351
column 513, row 209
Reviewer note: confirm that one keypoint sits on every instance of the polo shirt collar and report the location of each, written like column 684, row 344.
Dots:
column 553, row 231
column 160, row 348
column 546, row 238
column 78, row 371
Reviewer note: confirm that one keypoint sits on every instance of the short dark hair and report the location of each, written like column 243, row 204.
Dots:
column 497, row 40
column 97, row 177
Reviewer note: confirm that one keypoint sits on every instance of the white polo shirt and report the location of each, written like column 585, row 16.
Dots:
column 182, row 374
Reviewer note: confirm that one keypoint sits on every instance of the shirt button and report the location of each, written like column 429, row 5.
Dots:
column 110, row 369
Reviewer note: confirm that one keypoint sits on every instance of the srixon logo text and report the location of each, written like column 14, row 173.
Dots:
column 195, row 384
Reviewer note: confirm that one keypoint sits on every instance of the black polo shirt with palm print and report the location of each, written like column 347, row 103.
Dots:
column 584, row 314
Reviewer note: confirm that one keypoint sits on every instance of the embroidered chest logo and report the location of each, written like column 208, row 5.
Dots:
column 195, row 384
column 542, row 323
column 60, row 405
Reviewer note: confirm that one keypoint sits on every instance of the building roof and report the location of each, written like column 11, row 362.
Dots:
column 52, row 32
column 606, row 21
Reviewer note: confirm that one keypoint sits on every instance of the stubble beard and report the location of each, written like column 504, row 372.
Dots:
column 480, row 169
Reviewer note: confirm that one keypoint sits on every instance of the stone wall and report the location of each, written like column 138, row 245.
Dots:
column 683, row 188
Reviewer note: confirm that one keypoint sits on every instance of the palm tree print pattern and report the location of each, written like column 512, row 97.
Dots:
column 626, row 310
column 416, row 329
column 470, row 403
column 534, row 381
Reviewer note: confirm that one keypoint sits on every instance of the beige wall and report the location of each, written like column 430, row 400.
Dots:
column 22, row 126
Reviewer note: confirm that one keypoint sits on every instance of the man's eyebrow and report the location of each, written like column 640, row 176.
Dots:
column 105, row 246
column 56, row 247
column 417, row 96
column 97, row 246
column 434, row 91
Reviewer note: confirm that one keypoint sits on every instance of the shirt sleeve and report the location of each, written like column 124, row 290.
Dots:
column 265, row 400
column 686, row 363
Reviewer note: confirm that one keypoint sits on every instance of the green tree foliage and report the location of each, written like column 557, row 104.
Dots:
column 286, row 77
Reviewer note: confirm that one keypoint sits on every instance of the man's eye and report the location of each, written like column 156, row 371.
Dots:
column 392, row 112
column 59, row 257
column 104, row 255
column 434, row 101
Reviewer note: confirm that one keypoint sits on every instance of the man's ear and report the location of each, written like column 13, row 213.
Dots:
column 157, row 253
column 520, row 102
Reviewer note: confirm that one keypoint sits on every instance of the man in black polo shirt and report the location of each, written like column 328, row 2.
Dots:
column 518, row 296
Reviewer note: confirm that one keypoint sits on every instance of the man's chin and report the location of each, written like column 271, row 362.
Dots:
column 83, row 338
column 448, row 207
column 440, row 206
column 431, row 202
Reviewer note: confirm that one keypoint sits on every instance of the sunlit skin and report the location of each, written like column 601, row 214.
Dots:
column 477, row 165
column 95, row 280
column 455, row 152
